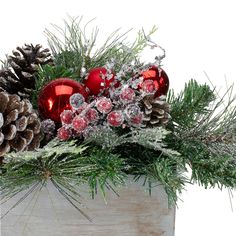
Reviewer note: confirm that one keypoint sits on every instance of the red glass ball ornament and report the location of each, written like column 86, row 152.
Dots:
column 54, row 98
column 98, row 80
column 160, row 80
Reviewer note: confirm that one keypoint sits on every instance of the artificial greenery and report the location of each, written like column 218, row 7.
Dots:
column 67, row 165
column 73, row 49
column 201, row 133
column 205, row 134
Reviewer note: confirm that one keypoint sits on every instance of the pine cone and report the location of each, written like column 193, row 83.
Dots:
column 19, row 124
column 24, row 64
column 156, row 111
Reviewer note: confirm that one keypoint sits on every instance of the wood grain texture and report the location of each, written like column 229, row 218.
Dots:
column 134, row 213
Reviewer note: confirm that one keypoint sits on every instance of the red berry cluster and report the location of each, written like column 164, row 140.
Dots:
column 114, row 112
column 112, row 103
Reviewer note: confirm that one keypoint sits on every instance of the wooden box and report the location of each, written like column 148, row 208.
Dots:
column 133, row 213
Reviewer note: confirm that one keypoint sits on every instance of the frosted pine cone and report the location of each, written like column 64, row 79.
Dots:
column 23, row 64
column 155, row 110
column 19, row 124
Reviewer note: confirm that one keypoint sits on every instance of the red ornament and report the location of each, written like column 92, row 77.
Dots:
column 160, row 80
column 98, row 79
column 54, row 97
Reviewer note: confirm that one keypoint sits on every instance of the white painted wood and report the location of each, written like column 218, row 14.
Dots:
column 134, row 213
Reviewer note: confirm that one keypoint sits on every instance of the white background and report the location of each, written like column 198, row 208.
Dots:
column 197, row 35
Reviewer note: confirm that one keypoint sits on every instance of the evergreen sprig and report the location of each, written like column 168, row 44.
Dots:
column 205, row 133
column 191, row 103
column 73, row 49
column 170, row 174
column 67, row 165
column 151, row 138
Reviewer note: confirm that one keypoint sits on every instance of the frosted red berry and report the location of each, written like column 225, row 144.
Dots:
column 115, row 118
column 127, row 95
column 104, row 105
column 92, row 115
column 149, row 86
column 79, row 123
column 137, row 120
column 67, row 117
column 64, row 133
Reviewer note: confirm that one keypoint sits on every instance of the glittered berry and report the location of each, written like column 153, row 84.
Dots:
column 137, row 120
column 92, row 115
column 67, row 116
column 131, row 111
column 127, row 95
column 149, row 86
column 104, row 105
column 48, row 126
column 76, row 100
column 64, row 133
column 115, row 118
column 80, row 123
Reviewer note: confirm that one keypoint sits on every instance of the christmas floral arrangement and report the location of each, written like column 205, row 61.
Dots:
column 73, row 115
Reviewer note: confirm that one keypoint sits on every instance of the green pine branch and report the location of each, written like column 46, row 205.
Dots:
column 74, row 50
column 204, row 133
column 190, row 104
column 67, row 165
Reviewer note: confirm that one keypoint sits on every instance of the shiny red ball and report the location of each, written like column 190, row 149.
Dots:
column 98, row 80
column 160, row 78
column 54, row 97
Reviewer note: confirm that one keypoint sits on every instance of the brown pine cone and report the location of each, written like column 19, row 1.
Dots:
column 19, row 124
column 23, row 64
column 156, row 111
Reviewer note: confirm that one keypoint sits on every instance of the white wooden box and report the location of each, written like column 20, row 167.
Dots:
column 133, row 213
